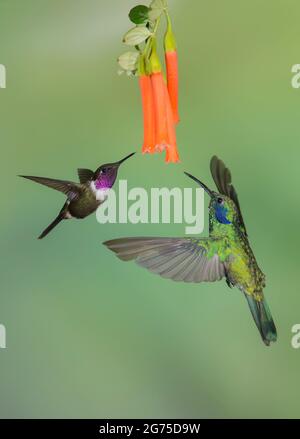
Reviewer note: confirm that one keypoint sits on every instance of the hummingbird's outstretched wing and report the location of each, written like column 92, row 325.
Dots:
column 180, row 259
column 72, row 190
column 223, row 181
column 85, row 175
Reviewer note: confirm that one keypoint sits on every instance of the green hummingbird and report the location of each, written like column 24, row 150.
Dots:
column 85, row 197
column 225, row 254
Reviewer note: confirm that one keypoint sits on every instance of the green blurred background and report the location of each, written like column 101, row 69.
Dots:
column 88, row 335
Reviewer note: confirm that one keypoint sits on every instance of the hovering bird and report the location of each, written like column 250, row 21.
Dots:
column 83, row 197
column 225, row 254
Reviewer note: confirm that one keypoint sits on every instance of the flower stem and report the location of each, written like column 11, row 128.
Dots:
column 149, row 49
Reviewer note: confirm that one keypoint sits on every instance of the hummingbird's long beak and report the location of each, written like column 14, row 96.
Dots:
column 125, row 158
column 207, row 190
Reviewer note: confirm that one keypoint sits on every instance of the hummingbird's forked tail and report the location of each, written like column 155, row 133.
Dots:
column 51, row 226
column 263, row 319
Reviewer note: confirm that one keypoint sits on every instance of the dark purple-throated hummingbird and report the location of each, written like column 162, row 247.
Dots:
column 226, row 253
column 84, row 197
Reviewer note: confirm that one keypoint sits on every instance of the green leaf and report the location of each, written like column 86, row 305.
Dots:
column 139, row 14
column 154, row 14
column 157, row 7
column 136, row 36
column 159, row 4
column 128, row 61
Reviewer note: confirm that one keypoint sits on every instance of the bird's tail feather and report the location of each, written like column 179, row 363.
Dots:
column 263, row 319
column 52, row 225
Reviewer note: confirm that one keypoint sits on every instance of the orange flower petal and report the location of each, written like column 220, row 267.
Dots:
column 148, row 114
column 161, row 128
column 171, row 150
column 172, row 155
column 172, row 80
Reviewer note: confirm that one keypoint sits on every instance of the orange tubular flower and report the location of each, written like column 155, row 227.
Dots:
column 159, row 93
column 165, row 136
column 161, row 126
column 172, row 78
column 171, row 150
column 148, row 114
column 172, row 69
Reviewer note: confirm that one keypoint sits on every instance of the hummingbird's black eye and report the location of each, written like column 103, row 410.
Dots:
column 103, row 171
column 220, row 200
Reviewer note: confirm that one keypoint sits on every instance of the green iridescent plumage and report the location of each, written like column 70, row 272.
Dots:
column 225, row 254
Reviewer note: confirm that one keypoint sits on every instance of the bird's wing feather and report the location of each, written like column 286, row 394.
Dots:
column 72, row 190
column 180, row 259
column 223, row 181
column 85, row 175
